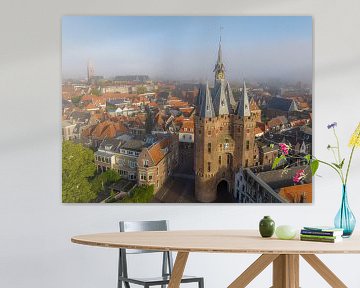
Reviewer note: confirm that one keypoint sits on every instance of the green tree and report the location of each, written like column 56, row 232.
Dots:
column 140, row 194
column 141, row 90
column 76, row 100
column 95, row 91
column 77, row 167
column 104, row 179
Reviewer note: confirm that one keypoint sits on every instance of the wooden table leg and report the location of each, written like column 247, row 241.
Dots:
column 253, row 270
column 286, row 271
column 324, row 271
column 178, row 270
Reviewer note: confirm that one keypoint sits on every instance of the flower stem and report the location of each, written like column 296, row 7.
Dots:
column 340, row 159
column 323, row 162
column 348, row 167
column 350, row 159
column 338, row 145
column 337, row 170
column 336, row 159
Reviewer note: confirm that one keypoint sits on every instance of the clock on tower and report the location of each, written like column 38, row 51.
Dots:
column 220, row 75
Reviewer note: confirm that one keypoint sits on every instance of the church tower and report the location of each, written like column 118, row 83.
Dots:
column 224, row 136
column 219, row 66
column 90, row 71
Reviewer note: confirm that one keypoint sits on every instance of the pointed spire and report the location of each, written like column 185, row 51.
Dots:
column 228, row 91
column 222, row 103
column 219, row 68
column 219, row 64
column 219, row 51
column 243, row 109
column 219, row 60
column 200, row 96
column 206, row 107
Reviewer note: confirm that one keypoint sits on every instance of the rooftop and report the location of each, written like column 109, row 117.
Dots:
column 282, row 104
column 135, row 145
column 277, row 179
column 157, row 151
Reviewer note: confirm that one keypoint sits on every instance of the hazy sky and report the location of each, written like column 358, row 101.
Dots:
column 185, row 48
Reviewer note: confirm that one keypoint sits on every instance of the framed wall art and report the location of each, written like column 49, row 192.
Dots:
column 186, row 109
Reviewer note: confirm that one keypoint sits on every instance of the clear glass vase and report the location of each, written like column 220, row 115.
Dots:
column 345, row 219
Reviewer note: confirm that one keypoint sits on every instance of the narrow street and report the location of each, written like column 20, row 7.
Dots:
column 180, row 187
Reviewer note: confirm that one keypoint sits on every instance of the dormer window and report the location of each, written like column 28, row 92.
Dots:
column 146, row 163
column 222, row 103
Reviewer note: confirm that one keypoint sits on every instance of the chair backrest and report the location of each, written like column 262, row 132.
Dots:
column 133, row 226
column 137, row 226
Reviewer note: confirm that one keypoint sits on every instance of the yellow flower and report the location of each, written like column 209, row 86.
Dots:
column 355, row 138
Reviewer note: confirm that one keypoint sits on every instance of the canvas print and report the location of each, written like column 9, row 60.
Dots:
column 166, row 109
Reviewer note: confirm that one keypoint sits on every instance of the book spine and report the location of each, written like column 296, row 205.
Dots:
column 319, row 233
column 318, row 236
column 317, row 239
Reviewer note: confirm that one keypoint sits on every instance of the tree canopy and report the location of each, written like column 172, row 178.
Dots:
column 77, row 167
column 95, row 91
column 80, row 185
column 76, row 100
column 106, row 178
column 140, row 194
column 141, row 90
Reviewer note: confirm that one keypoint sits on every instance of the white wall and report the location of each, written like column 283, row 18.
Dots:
column 35, row 228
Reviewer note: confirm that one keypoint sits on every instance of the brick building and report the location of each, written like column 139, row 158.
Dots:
column 224, row 137
column 157, row 162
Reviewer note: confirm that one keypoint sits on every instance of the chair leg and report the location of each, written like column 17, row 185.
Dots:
column 201, row 283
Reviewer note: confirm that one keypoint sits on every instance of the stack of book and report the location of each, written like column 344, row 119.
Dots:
column 321, row 234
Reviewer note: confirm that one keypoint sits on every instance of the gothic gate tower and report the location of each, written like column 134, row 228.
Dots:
column 224, row 136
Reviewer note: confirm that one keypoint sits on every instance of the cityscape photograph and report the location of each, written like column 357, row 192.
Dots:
column 186, row 109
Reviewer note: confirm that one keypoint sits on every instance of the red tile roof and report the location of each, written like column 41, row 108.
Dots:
column 91, row 106
column 106, row 129
column 189, row 125
column 157, row 150
column 295, row 193
column 153, row 104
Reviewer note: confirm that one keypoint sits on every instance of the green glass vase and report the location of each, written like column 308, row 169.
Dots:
column 267, row 227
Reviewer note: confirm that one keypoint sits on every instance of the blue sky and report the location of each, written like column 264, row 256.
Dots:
column 185, row 48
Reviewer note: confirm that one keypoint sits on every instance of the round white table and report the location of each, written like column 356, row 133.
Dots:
column 284, row 254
